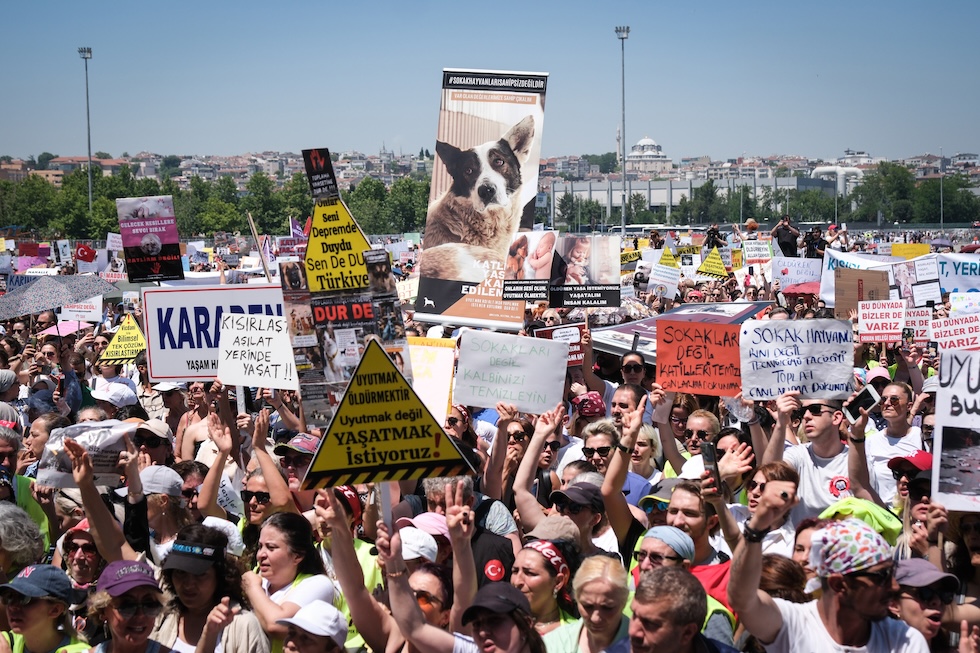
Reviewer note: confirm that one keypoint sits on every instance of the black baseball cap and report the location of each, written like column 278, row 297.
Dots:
column 583, row 494
column 499, row 598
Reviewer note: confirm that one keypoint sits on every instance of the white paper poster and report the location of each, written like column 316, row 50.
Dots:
column 956, row 450
column 256, row 352
column 881, row 320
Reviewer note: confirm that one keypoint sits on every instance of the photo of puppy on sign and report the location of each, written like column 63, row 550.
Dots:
column 474, row 221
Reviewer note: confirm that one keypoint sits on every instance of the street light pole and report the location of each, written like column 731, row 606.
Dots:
column 623, row 33
column 86, row 54
column 942, row 173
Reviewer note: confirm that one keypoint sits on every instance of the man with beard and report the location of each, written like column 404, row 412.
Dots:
column 856, row 572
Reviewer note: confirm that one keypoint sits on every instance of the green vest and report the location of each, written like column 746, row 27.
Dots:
column 16, row 643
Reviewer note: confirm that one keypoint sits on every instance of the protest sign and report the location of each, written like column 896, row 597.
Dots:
column 881, row 320
column 959, row 272
column 408, row 289
column 570, row 333
column 713, row 266
column 853, row 286
column 102, row 440
column 698, row 357
column 757, row 252
column 343, row 323
column 529, row 263
column 812, row 357
column 909, row 251
column 467, row 239
column 916, row 281
column 148, row 229
column 184, row 325
column 919, row 320
column 586, row 272
column 334, row 257
column 89, row 310
column 629, row 256
column 956, row 450
column 433, row 366
column 962, row 332
column 126, row 344
column 113, row 242
column 256, row 352
column 964, row 303
column 833, row 260
column 382, row 432
column 526, row 372
column 664, row 280
column 321, row 177
column 668, row 259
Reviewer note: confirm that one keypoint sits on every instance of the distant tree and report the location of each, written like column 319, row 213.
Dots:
column 683, row 212
column 34, row 203
column 812, row 205
column 334, row 157
column 6, row 158
column 216, row 215
column 264, row 204
column 958, row 203
column 71, row 215
column 169, row 166
column 636, row 205
column 406, row 204
column 565, row 210
column 367, row 205
column 297, row 200
column 124, row 155
column 421, row 152
column 428, row 154
column 890, row 189
column 607, row 162
column 226, row 190
column 44, row 158
column 102, row 155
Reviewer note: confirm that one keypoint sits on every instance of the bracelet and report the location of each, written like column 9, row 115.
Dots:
column 625, row 449
column 395, row 574
column 857, row 440
column 752, row 535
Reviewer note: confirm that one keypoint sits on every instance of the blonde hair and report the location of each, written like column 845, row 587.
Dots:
column 650, row 433
column 606, row 569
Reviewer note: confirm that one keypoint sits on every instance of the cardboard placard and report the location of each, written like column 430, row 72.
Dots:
column 382, row 431
column 526, row 372
column 812, row 357
column 89, row 310
column 852, row 286
column 102, row 440
column 834, row 260
column 961, row 332
column 757, row 252
column 956, row 450
column 698, row 357
column 964, row 303
column 256, row 352
column 909, row 251
column 570, row 333
column 881, row 320
column 433, row 366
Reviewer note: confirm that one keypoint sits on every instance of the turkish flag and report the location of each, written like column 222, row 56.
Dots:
column 85, row 253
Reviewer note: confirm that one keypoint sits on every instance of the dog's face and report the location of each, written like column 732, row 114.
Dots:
column 294, row 277
column 489, row 174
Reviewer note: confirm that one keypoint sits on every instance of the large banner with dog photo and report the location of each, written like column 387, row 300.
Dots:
column 484, row 186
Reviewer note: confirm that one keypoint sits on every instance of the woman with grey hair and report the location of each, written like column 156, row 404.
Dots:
column 21, row 543
column 19, row 486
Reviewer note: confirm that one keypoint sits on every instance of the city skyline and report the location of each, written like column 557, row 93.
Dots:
column 714, row 79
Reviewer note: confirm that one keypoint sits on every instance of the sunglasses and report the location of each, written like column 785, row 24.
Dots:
column 590, row 451
column 426, row 599
column 296, row 461
column 452, row 422
column 817, row 409
column 261, row 498
column 18, row 330
column 928, row 594
column 879, row 578
column 13, row 598
column 570, row 508
column 655, row 558
column 86, row 548
column 753, row 484
column 150, row 442
column 632, row 367
column 128, row 609
column 678, row 420
column 656, row 505
column 520, row 436
column 897, row 474
column 554, row 445
column 894, row 400
column 551, row 319
column 189, row 493
column 702, row 435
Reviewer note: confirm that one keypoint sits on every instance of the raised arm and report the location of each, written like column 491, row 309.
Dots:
column 617, row 508
column 527, row 505
column 494, row 478
column 786, row 403
column 207, row 499
column 857, row 460
column 278, row 487
column 592, row 382
column 461, row 522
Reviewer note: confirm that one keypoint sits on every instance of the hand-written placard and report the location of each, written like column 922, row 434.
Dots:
column 964, row 303
column 698, row 357
column 812, row 357
column 881, row 321
column 961, row 332
column 956, row 452
column 255, row 351
column 526, row 372
column 791, row 271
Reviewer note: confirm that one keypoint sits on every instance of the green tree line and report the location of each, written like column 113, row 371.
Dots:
column 38, row 206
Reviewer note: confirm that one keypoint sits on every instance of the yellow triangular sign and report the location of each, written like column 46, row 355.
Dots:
column 126, row 344
column 382, row 432
column 713, row 266
column 667, row 258
column 335, row 251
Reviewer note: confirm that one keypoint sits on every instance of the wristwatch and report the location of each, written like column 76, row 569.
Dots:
column 625, row 449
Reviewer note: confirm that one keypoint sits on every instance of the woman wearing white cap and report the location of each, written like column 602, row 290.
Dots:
column 316, row 628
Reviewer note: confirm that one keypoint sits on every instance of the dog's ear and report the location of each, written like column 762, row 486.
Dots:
column 449, row 155
column 520, row 137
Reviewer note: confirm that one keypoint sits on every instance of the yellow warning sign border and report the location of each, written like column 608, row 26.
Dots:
column 324, row 204
column 410, row 470
column 109, row 357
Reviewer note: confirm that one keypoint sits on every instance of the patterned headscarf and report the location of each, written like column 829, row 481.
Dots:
column 846, row 546
column 589, row 404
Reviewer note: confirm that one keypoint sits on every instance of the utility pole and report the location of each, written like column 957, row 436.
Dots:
column 623, row 33
column 86, row 54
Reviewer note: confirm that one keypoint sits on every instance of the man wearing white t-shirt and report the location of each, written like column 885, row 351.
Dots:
column 856, row 572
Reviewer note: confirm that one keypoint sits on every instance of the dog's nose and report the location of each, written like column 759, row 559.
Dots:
column 487, row 193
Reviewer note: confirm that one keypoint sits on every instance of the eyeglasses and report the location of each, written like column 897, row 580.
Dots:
column 602, row 451
column 570, row 508
column 969, row 527
column 128, row 609
column 49, row 354
column 296, row 461
column 554, row 445
column 655, row 558
column 452, row 422
column 87, row 549
column 702, row 435
column 189, row 493
column 632, row 368
column 678, row 420
column 753, row 484
column 880, row 578
column 18, row 330
column 927, row 429
column 520, row 436
column 656, row 505
column 261, row 498
column 15, row 598
column 894, row 400
column 928, row 594
column 425, row 599
column 148, row 441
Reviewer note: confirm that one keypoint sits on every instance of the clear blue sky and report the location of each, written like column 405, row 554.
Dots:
column 894, row 78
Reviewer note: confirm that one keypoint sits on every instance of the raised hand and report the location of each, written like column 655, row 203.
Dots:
column 459, row 516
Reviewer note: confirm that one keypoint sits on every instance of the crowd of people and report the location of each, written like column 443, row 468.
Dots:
column 624, row 520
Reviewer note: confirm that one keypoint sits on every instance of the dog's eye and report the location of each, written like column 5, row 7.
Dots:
column 468, row 171
column 498, row 162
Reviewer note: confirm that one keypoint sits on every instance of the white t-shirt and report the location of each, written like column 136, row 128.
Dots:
column 780, row 540
column 310, row 589
column 881, row 448
column 803, row 632
column 823, row 481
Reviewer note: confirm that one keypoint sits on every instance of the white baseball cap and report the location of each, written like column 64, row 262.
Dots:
column 117, row 394
column 159, row 479
column 416, row 544
column 321, row 619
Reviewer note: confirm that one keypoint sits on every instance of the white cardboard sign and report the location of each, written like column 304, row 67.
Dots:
column 256, row 352
column 960, row 332
column 956, row 450
column 89, row 310
column 881, row 320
